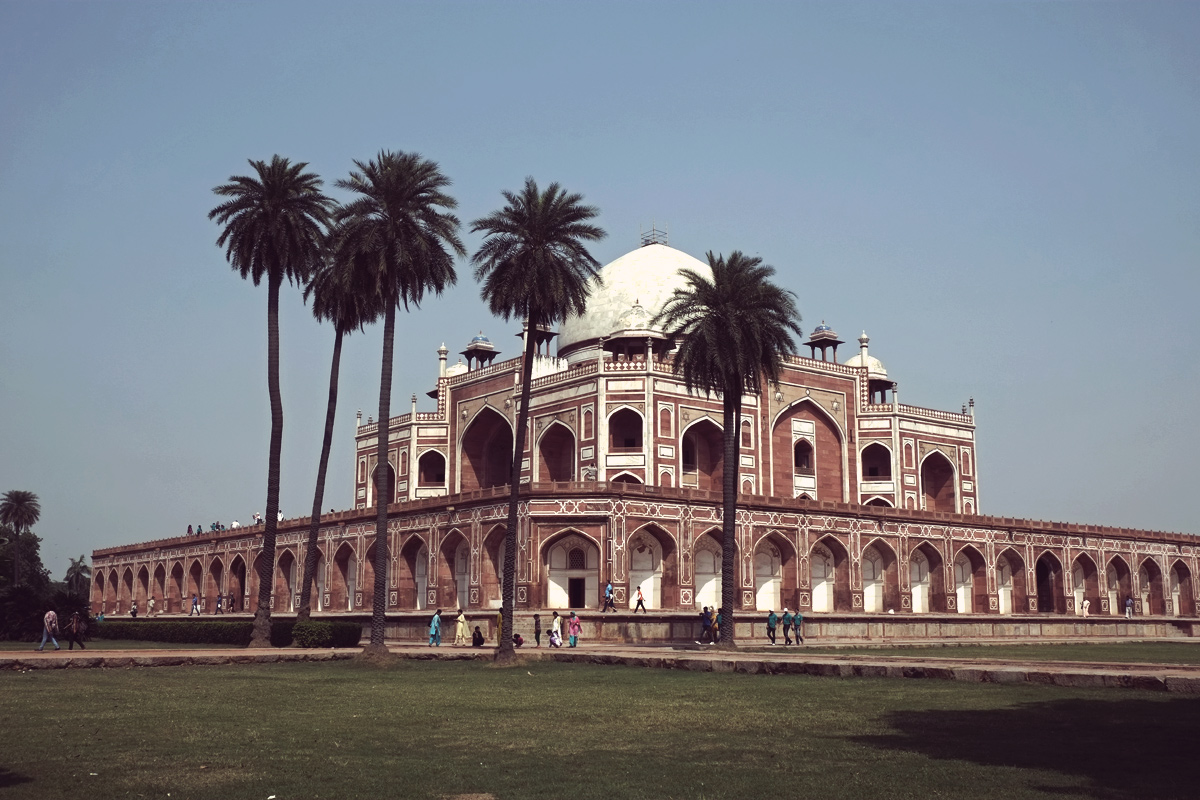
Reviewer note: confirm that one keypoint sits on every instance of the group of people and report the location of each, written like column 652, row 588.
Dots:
column 791, row 622
column 573, row 623
column 223, row 604
column 610, row 600
column 75, row 629
column 217, row 527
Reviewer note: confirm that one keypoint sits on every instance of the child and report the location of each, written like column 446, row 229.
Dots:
column 477, row 638
column 555, row 639
column 574, row 628
column 537, row 630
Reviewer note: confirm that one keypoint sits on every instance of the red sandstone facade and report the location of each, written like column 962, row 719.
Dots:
column 849, row 501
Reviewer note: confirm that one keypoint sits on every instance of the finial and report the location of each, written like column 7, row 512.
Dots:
column 862, row 340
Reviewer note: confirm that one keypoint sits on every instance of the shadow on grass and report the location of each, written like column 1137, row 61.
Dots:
column 1118, row 749
column 10, row 778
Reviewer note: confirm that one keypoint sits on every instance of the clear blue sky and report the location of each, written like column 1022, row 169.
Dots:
column 1006, row 196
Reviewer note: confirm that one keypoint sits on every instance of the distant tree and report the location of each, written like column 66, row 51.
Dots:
column 79, row 575
column 534, row 266
column 337, row 299
column 20, row 510
column 22, row 607
column 733, row 332
column 274, row 227
column 400, row 240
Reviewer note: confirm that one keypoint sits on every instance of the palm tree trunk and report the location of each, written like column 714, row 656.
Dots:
column 16, row 556
column 379, row 604
column 729, row 488
column 506, row 654
column 266, row 568
column 314, row 529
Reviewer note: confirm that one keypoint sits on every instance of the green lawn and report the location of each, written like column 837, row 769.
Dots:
column 102, row 645
column 427, row 729
column 1114, row 653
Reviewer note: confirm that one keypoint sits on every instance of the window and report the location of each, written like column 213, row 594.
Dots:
column 803, row 458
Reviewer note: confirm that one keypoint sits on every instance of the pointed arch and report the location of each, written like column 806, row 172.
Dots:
column 1011, row 591
column 938, row 482
column 927, row 579
column 556, row 453
column 97, row 605
column 491, row 570
column 970, row 581
column 412, row 574
column 626, row 430
column 707, row 560
column 1183, row 598
column 158, row 588
column 485, row 451
column 653, row 566
column 236, row 587
column 1118, row 584
column 453, row 570
column 875, row 462
column 625, row 476
column 1049, row 574
column 571, row 559
column 1150, row 587
column 702, row 455
column 431, row 470
column 879, row 501
column 1085, row 584
column 214, row 583
column 286, row 581
column 829, row 563
column 175, row 596
column 881, row 577
column 343, row 586
column 141, row 588
column 195, row 584
column 776, row 582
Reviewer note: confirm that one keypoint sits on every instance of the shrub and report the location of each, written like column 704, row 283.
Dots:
column 313, row 633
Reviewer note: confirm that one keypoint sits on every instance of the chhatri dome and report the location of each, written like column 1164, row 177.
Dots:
column 875, row 368
column 633, row 289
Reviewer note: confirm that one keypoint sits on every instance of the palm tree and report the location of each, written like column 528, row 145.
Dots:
column 400, row 240
column 338, row 300
column 733, row 332
column 534, row 266
column 274, row 227
column 79, row 575
column 20, row 510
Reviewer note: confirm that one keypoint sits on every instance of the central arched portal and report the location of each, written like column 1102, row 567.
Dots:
column 556, row 454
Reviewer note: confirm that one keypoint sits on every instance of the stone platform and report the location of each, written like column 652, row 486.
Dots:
column 1183, row 679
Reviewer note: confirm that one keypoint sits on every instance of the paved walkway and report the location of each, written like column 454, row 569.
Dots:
column 804, row 660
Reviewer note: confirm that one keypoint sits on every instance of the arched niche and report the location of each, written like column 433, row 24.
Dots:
column 926, row 579
column 1010, row 583
column 829, row 564
column 881, row 578
column 572, row 564
column 653, row 565
column 487, row 453
column 1118, row 583
column 824, row 479
column 970, row 581
column 876, row 462
column 706, row 568
column 702, row 456
column 454, row 570
column 1049, row 574
column 1085, row 584
column 556, row 454
column 625, row 431
column 938, row 482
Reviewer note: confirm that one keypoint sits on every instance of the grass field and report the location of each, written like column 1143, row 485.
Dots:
column 1114, row 653
column 422, row 729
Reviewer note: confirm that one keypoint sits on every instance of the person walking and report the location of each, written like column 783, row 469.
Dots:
column 435, row 629
column 133, row 610
column 460, row 629
column 195, row 606
column 608, row 598
column 1128, row 607
column 556, row 630
column 220, row 603
column 499, row 627
column 230, row 603
column 537, row 630
column 705, row 626
column 573, row 629
column 49, row 630
column 75, row 629
column 796, row 623
column 641, row 602
column 772, row 621
column 787, row 627
column 150, row 606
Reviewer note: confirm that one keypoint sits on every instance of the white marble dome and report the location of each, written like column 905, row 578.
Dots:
column 646, row 277
column 874, row 365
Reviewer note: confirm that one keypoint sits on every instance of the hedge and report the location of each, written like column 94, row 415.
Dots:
column 317, row 633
